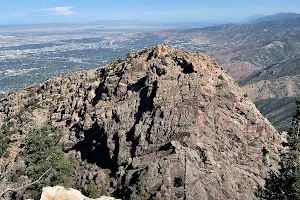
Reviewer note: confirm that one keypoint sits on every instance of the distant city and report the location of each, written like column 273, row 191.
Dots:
column 31, row 54
column 260, row 52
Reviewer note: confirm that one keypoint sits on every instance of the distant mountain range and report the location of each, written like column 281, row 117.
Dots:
column 270, row 48
column 266, row 18
column 252, row 17
column 270, row 52
column 274, row 90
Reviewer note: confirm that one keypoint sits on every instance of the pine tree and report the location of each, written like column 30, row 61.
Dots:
column 285, row 184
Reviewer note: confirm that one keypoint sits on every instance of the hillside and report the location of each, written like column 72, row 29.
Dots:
column 274, row 90
column 260, row 45
column 265, row 60
column 246, row 48
column 274, row 17
column 262, row 57
column 161, row 124
column 252, row 17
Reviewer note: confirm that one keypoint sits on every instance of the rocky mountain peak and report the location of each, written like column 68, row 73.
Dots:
column 162, row 123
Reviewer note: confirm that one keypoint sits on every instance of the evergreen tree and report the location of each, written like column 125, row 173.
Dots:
column 42, row 153
column 285, row 184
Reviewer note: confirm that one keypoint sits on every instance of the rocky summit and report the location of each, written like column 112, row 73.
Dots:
column 161, row 124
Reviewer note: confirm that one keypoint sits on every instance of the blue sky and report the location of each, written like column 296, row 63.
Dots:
column 74, row 11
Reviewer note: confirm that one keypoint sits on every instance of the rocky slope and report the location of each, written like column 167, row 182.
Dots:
column 263, row 57
column 243, row 49
column 163, row 123
column 274, row 90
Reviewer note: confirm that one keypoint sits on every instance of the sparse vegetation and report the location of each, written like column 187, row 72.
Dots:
column 41, row 153
column 4, row 141
column 95, row 191
column 178, row 182
column 221, row 77
column 138, row 190
column 5, row 135
column 265, row 153
column 32, row 104
column 62, row 98
column 92, row 190
column 285, row 184
column 12, row 179
column 116, row 61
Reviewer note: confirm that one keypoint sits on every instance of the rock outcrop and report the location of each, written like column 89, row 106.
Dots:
column 60, row 193
column 163, row 123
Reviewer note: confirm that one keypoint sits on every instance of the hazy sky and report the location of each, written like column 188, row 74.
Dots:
column 72, row 11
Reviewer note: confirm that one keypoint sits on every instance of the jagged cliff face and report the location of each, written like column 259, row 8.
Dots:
column 165, row 123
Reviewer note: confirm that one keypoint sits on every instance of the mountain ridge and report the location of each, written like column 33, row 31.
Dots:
column 275, row 17
column 276, row 84
column 252, row 17
column 170, row 116
column 263, row 57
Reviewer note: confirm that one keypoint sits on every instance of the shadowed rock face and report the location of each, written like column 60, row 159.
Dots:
column 168, row 124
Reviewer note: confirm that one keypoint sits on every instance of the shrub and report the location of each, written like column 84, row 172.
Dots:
column 32, row 104
column 178, row 182
column 285, row 184
column 94, row 191
column 221, row 77
column 138, row 189
column 265, row 153
column 5, row 135
column 41, row 153
column 117, row 61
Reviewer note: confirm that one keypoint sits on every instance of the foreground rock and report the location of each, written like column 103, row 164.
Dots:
column 60, row 193
column 163, row 123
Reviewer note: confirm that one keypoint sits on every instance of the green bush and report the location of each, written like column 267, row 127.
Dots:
column 265, row 153
column 221, row 77
column 285, row 184
column 138, row 190
column 5, row 135
column 95, row 191
column 117, row 61
column 41, row 153
column 32, row 104
column 4, row 145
